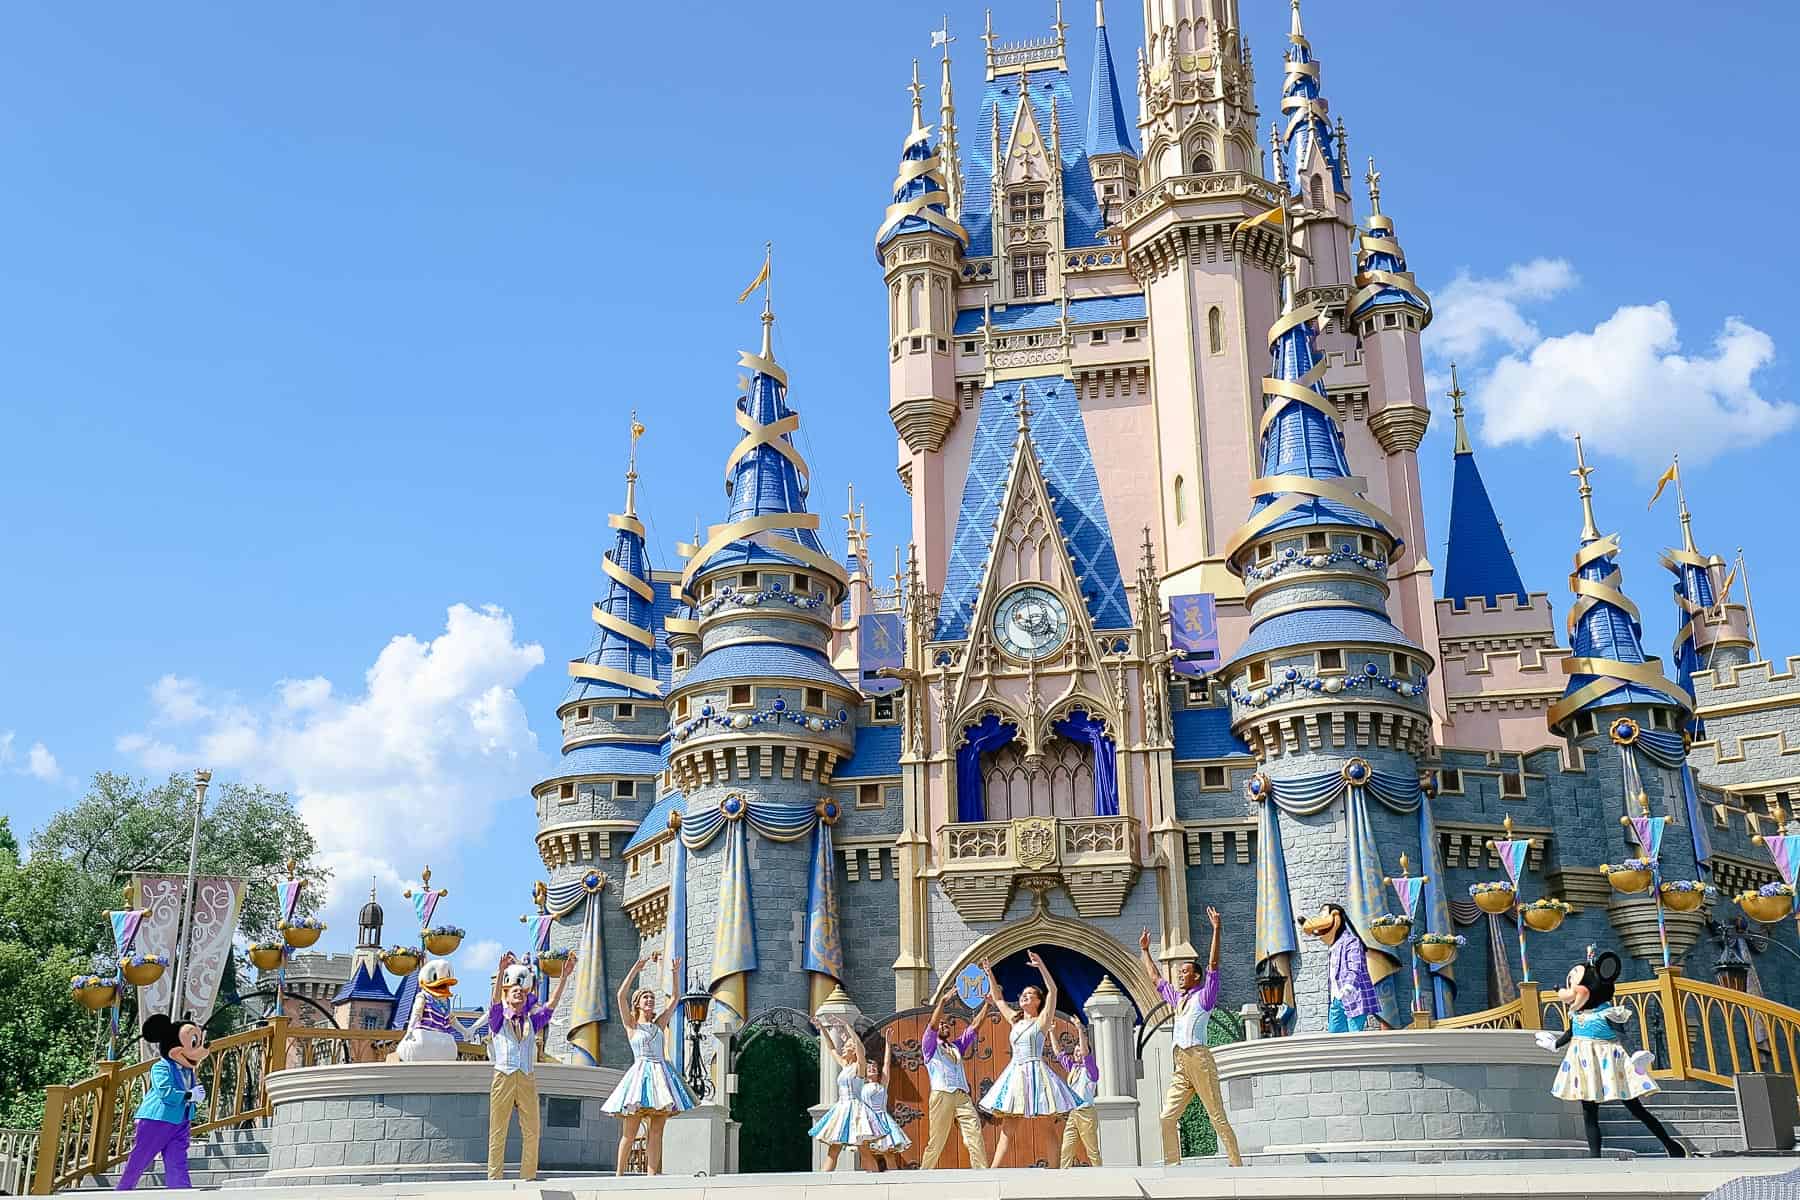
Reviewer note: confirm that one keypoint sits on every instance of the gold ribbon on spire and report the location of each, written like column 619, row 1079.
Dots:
column 1609, row 673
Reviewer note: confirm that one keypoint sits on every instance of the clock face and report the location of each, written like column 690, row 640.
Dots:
column 1031, row 623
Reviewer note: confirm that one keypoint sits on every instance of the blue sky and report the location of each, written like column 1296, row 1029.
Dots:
column 318, row 323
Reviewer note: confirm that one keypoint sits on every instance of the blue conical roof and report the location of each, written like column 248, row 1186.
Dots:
column 1107, row 131
column 920, row 199
column 1382, row 277
column 1694, row 595
column 1478, row 562
column 624, row 646
column 1301, row 438
column 1307, row 126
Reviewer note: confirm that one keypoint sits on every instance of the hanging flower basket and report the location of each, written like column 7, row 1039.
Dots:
column 1768, row 904
column 442, row 939
column 552, row 962
column 1439, row 948
column 1629, row 877
column 1495, row 897
column 1685, row 895
column 1546, row 914
column 402, row 960
column 302, row 932
column 1391, row 929
column 141, row 970
column 94, row 991
column 267, row 956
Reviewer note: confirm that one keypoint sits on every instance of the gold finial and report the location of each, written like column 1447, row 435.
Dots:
column 850, row 513
column 631, row 476
column 1295, row 33
column 292, row 866
column 1022, row 406
column 1279, row 175
column 918, row 99
column 1687, row 519
column 1058, row 27
column 1403, row 862
column 425, row 885
column 768, row 312
column 1456, row 395
column 1589, row 531
column 1373, row 179
column 1099, row 14
column 371, row 887
column 988, row 37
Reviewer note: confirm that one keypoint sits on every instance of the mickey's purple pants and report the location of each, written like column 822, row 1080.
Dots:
column 153, row 1138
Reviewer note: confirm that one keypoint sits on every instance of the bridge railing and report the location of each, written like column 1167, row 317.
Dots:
column 1696, row 1030
column 88, row 1126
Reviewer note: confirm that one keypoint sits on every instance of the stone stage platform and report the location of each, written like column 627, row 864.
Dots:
column 1584, row 1179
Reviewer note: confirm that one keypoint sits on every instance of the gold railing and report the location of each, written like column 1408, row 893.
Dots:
column 1696, row 1030
column 88, row 1126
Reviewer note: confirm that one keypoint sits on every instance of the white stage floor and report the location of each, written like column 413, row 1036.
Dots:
column 1536, row 1179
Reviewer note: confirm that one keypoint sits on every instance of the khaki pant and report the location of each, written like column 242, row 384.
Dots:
column 1083, row 1124
column 943, row 1109
column 510, row 1090
column 1195, row 1075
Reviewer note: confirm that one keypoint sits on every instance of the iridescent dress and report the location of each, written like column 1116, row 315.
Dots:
column 650, row 1084
column 1029, row 1087
column 848, row 1122
column 892, row 1136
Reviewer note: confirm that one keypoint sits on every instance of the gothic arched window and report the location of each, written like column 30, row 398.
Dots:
column 1202, row 163
column 1318, row 191
column 1181, row 497
column 1215, row 330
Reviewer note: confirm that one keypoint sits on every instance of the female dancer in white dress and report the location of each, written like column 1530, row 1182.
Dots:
column 886, row 1148
column 849, row 1121
column 650, row 1092
column 1029, row 1089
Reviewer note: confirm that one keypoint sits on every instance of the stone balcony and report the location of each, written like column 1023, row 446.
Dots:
column 1095, row 858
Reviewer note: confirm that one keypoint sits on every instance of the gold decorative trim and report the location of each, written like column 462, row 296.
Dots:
column 620, row 575
column 625, row 679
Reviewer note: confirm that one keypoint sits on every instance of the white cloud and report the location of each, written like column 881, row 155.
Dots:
column 1626, row 386
column 408, row 769
column 37, row 762
column 1470, row 315
column 475, row 961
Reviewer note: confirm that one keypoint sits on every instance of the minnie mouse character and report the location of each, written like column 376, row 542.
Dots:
column 170, row 1103
column 1596, row 1066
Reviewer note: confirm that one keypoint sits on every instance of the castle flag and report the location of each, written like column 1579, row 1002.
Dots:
column 1669, row 476
column 880, row 642
column 1194, row 628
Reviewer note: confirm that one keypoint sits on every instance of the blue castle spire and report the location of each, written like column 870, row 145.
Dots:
column 1382, row 278
column 921, row 199
column 1301, row 438
column 1107, row 132
column 622, row 659
column 1607, row 665
column 1479, row 562
column 1694, row 596
column 1308, row 122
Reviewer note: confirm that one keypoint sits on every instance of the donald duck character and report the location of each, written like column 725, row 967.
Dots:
column 428, row 1030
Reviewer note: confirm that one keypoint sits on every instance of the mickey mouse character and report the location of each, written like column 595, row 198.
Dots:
column 173, row 1098
column 1596, row 1067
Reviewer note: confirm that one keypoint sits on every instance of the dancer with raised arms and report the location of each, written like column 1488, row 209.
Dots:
column 650, row 1092
column 951, row 1103
column 849, row 1121
column 886, row 1148
column 1192, row 997
column 1028, row 1090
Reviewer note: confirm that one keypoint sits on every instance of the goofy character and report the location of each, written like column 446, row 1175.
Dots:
column 166, row 1116
column 1355, row 1006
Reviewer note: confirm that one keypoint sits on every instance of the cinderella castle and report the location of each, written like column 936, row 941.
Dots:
column 1166, row 636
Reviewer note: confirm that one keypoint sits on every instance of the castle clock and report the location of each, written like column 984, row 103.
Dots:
column 1031, row 623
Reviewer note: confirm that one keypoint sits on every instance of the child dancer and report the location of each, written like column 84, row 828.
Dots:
column 1028, row 1090
column 848, row 1122
column 1084, row 1077
column 514, row 1021
column 173, row 1097
column 892, row 1139
column 1596, row 1067
column 650, row 1092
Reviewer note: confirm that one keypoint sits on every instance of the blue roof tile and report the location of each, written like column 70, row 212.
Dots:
column 1060, row 435
column 614, row 758
column 364, row 984
column 1607, row 631
column 1205, row 733
column 593, row 689
column 763, row 660
column 1322, row 626
column 1081, row 212
column 655, row 821
column 1108, row 132
column 1093, row 310
column 877, row 753
column 1478, row 561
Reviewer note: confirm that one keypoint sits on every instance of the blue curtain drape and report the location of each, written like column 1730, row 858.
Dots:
column 1083, row 727
column 990, row 733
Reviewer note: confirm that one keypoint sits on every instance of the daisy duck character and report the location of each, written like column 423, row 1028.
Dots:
column 174, row 1096
column 428, row 1036
column 1596, row 1066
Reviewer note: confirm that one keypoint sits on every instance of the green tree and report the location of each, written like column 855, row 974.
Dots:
column 53, row 905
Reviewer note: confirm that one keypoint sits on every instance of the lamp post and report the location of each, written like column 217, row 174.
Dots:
column 1271, row 989
column 694, row 1006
